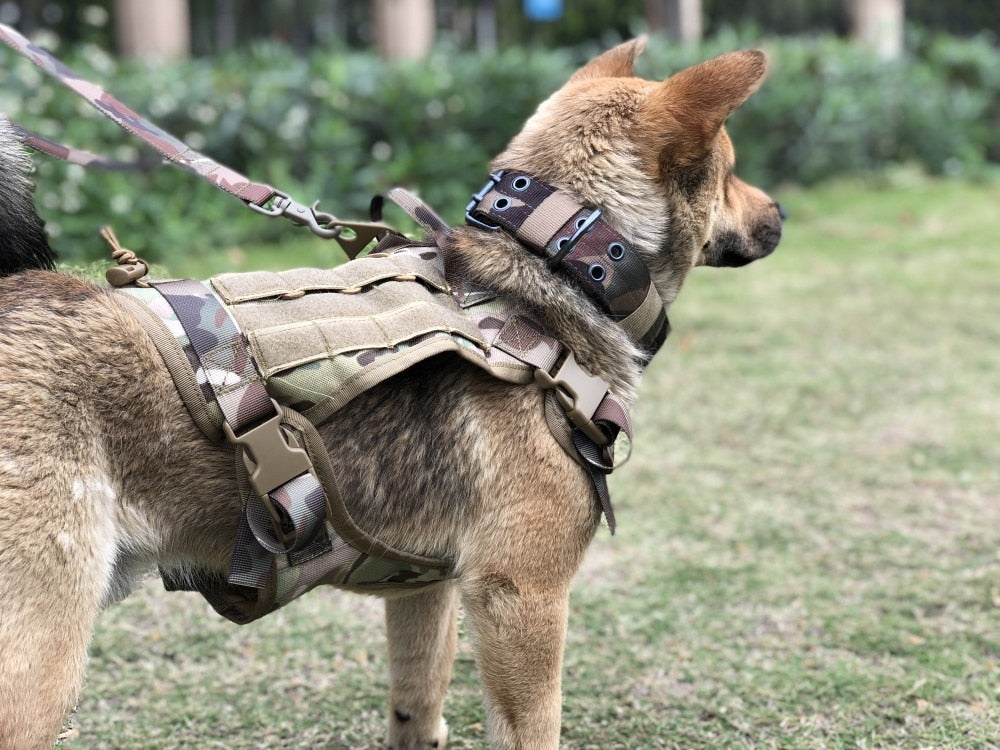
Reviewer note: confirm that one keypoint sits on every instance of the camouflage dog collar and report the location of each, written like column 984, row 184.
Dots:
column 576, row 240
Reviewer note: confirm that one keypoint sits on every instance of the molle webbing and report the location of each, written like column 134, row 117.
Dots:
column 321, row 337
column 551, row 223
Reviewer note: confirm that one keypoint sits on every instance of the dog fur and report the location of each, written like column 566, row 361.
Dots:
column 96, row 485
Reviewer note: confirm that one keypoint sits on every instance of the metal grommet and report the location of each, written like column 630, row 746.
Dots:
column 501, row 204
column 581, row 222
column 597, row 272
column 561, row 242
column 616, row 251
column 520, row 183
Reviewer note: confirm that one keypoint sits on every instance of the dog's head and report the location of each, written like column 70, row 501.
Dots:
column 655, row 157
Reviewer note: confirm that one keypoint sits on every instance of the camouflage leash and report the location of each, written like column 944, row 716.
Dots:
column 353, row 237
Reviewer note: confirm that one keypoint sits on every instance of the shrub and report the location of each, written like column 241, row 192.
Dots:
column 344, row 126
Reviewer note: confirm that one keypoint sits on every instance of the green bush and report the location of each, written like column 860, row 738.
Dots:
column 344, row 126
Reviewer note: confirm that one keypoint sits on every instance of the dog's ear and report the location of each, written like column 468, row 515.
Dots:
column 617, row 62
column 689, row 108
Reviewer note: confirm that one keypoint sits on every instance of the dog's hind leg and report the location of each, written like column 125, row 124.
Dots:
column 57, row 549
column 422, row 635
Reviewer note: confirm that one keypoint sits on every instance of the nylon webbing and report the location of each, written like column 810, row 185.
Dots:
column 552, row 224
column 171, row 148
column 225, row 364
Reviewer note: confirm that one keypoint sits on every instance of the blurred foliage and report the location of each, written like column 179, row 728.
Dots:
column 217, row 24
column 342, row 127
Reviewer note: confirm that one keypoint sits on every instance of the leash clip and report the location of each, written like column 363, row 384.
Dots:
column 359, row 234
column 301, row 214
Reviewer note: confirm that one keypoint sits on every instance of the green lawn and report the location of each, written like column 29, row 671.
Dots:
column 807, row 553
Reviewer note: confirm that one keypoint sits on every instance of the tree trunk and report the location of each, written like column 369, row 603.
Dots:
column 486, row 26
column 225, row 25
column 404, row 29
column 159, row 30
column 679, row 19
column 879, row 25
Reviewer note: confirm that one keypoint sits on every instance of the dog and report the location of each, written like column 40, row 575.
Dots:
column 97, row 449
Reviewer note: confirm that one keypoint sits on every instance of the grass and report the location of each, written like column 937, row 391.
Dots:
column 807, row 554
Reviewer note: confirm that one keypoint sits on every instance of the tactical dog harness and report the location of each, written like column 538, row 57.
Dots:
column 262, row 358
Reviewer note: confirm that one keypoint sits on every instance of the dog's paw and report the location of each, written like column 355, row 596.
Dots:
column 405, row 738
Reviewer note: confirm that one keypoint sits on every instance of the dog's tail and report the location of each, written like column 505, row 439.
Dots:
column 23, row 242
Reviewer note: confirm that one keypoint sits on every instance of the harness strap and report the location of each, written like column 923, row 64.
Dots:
column 419, row 211
column 552, row 224
column 584, row 416
column 298, row 534
column 288, row 505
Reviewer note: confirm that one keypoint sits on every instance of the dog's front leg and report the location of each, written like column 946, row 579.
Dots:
column 520, row 632
column 422, row 635
column 57, row 545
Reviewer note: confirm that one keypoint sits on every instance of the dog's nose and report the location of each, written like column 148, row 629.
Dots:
column 782, row 214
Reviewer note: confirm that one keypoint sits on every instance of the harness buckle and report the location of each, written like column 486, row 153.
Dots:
column 566, row 247
column 477, row 198
column 579, row 394
column 270, row 456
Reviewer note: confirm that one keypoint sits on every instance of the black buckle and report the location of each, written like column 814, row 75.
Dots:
column 567, row 247
column 477, row 198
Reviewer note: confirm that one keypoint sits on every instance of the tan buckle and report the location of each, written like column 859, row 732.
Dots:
column 269, row 453
column 579, row 393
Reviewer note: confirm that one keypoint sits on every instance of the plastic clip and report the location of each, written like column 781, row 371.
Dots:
column 579, row 393
column 270, row 456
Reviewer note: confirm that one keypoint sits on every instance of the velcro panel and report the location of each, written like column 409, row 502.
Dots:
column 423, row 263
column 290, row 333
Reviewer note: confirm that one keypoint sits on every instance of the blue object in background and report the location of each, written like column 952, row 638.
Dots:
column 543, row 10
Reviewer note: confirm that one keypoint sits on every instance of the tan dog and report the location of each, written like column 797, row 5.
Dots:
column 97, row 449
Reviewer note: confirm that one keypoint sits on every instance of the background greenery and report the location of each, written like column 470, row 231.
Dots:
column 807, row 551
column 342, row 127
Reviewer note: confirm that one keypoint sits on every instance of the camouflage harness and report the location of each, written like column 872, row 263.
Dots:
column 262, row 359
